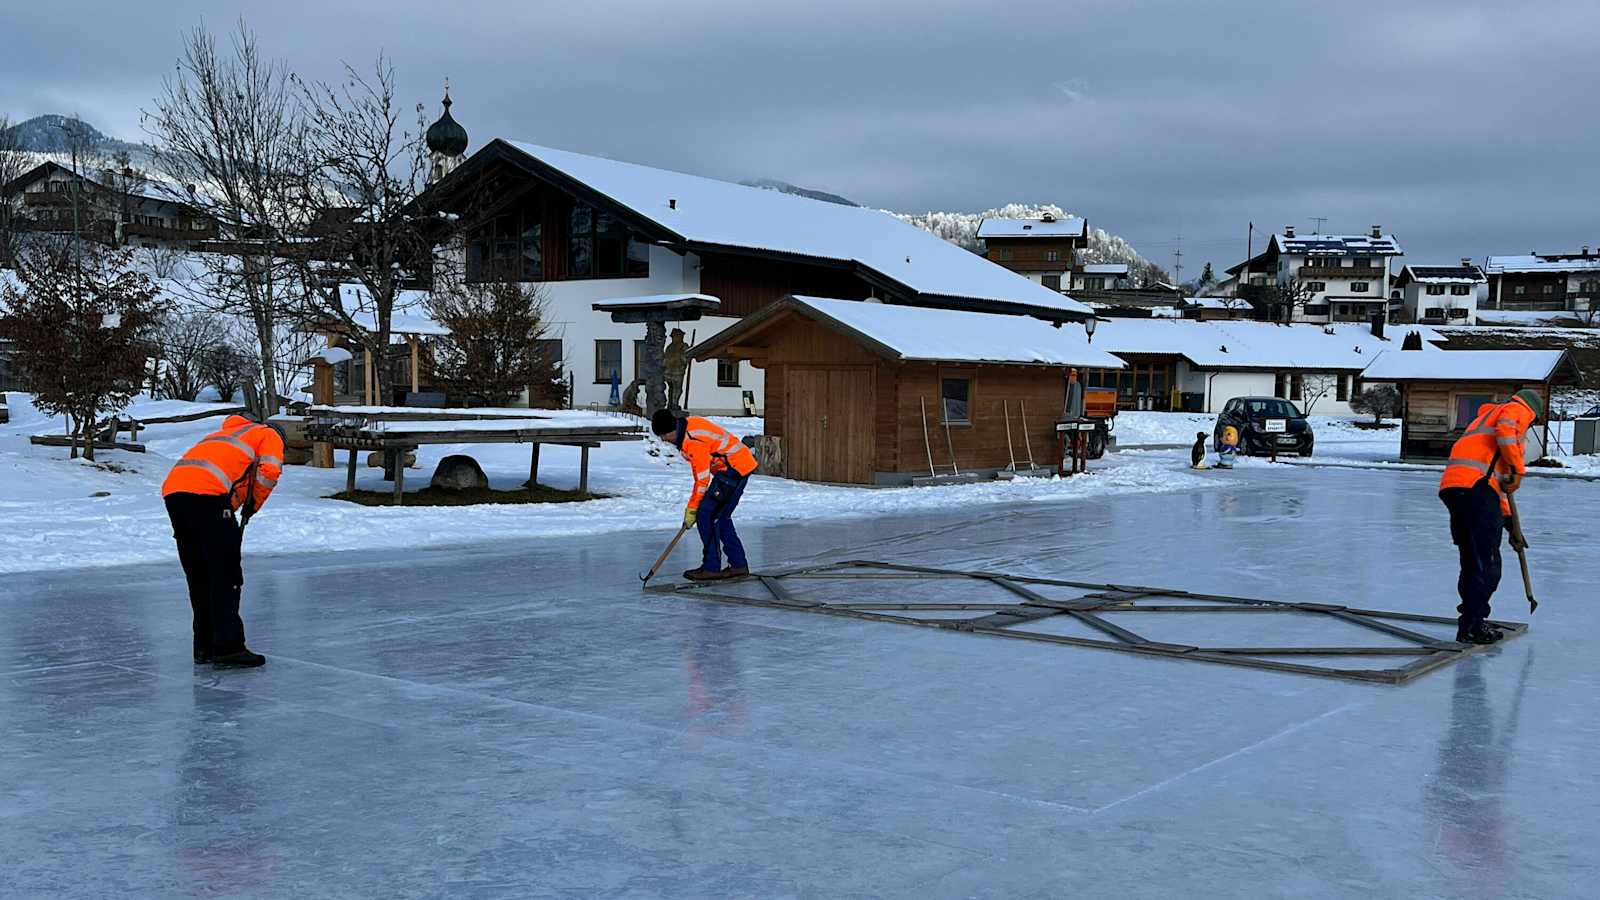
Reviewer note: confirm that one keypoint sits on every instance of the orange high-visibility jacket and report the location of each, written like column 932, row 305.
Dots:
column 710, row 449
column 1499, row 430
column 242, row 459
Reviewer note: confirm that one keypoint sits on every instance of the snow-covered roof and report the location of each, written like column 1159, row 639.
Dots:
column 720, row 213
column 1106, row 269
column 1067, row 226
column 1525, row 366
column 1214, row 302
column 932, row 335
column 1513, row 318
column 1459, row 274
column 671, row 300
column 1338, row 245
column 1244, row 344
column 1542, row 262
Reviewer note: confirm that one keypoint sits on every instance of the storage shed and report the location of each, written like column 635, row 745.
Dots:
column 869, row 393
column 1441, row 392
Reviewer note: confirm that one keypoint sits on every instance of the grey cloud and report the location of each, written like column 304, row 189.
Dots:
column 1463, row 126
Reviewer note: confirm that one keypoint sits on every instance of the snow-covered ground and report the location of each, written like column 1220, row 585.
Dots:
column 57, row 512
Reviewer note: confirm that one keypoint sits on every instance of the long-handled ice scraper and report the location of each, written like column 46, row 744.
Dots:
column 1520, row 543
column 645, row 578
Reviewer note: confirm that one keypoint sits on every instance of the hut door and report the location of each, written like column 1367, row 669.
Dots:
column 827, row 431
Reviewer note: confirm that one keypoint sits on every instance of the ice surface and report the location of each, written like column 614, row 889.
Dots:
column 516, row 721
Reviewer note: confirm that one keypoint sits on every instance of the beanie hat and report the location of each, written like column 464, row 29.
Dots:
column 1532, row 398
column 663, row 422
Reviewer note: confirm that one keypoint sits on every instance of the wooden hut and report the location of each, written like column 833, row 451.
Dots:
column 1441, row 392
column 869, row 393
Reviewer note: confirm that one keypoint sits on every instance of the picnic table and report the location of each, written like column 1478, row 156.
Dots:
column 396, row 430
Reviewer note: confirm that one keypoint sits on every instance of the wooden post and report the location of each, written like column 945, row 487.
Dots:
column 322, row 395
column 415, row 365
column 583, row 470
column 533, row 465
column 366, row 373
column 350, row 473
column 399, row 457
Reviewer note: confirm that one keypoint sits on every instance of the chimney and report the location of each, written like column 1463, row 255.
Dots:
column 1586, row 251
column 1466, row 262
column 672, row 203
column 1047, row 217
column 1378, row 320
column 1377, row 231
column 1288, row 231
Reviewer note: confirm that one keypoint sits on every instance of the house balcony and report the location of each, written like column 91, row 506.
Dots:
column 163, row 233
column 1362, row 273
column 46, row 199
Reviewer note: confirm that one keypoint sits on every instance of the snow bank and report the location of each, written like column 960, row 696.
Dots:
column 49, row 517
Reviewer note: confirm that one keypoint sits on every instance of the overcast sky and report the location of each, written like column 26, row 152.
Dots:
column 1464, row 127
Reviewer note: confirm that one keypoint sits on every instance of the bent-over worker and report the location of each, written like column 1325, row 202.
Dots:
column 210, row 494
column 1486, row 464
column 722, row 465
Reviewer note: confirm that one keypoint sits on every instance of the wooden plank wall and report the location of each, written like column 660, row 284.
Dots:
column 1426, row 427
column 981, row 445
column 746, row 284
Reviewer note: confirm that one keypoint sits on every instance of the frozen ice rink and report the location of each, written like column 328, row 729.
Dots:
column 524, row 722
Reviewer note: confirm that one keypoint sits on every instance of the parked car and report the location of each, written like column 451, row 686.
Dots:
column 1266, row 424
column 5, row 412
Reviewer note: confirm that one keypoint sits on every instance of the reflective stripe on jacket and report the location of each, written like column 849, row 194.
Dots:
column 242, row 459
column 710, row 449
column 1492, row 444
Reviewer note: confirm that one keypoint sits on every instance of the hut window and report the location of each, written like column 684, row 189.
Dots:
column 607, row 361
column 957, row 395
column 1467, row 407
column 727, row 373
column 1342, row 394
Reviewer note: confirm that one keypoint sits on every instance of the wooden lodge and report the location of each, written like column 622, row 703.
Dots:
column 1442, row 392
column 869, row 393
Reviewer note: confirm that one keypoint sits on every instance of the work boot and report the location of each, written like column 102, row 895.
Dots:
column 703, row 575
column 736, row 572
column 202, row 656
column 242, row 658
column 1478, row 633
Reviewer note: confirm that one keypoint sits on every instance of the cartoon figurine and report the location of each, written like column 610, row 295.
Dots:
column 1228, row 447
column 1197, row 455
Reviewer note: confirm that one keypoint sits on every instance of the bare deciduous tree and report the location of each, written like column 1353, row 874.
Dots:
column 183, row 341
column 13, row 164
column 82, row 322
column 369, row 170
column 229, row 128
column 1315, row 386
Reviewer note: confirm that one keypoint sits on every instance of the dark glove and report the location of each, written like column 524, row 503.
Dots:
column 249, row 510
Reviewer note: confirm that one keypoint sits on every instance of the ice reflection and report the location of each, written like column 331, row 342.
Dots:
column 1464, row 800
column 716, row 702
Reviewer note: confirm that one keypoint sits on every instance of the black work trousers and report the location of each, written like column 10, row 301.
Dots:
column 1476, row 525
column 209, row 546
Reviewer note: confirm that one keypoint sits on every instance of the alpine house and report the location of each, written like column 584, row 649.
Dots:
column 590, row 230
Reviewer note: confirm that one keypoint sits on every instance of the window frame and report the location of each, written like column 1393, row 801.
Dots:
column 734, row 365
column 598, row 356
column 1360, row 287
column 944, row 401
column 1460, row 290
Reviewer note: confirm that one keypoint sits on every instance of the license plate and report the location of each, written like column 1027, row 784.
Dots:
column 1085, row 426
column 1285, row 439
column 1277, row 425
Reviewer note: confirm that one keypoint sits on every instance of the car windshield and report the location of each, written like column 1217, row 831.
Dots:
column 1281, row 408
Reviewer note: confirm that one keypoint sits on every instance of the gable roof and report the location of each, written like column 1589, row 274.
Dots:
column 1542, row 262
column 1247, row 344
column 1338, row 245
column 1523, row 366
column 910, row 333
column 1462, row 274
column 703, row 213
column 1066, row 226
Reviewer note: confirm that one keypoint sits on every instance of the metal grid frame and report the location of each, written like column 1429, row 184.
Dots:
column 1000, row 619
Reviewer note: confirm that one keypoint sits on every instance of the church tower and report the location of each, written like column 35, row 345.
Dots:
column 447, row 142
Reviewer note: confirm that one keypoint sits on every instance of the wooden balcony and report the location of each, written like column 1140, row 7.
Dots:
column 1362, row 273
column 163, row 233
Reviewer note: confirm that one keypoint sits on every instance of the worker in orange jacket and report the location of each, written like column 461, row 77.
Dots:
column 210, row 494
column 1486, row 464
column 722, row 465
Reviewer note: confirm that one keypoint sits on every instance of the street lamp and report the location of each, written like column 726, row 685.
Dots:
column 1088, row 327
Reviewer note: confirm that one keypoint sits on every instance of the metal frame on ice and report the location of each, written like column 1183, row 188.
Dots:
column 1000, row 619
